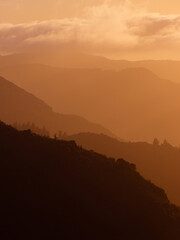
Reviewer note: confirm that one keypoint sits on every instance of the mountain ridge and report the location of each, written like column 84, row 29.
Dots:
column 17, row 105
column 159, row 162
column 137, row 108
column 167, row 69
column 54, row 189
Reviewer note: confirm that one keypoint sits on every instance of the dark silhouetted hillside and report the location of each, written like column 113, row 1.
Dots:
column 133, row 103
column 31, row 126
column 17, row 105
column 157, row 162
column 55, row 190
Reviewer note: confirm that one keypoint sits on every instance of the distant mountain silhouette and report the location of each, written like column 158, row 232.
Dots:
column 55, row 190
column 17, row 105
column 167, row 69
column 157, row 162
column 134, row 103
column 58, row 59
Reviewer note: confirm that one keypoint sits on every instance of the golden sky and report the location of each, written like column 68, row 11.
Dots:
column 132, row 29
column 18, row 11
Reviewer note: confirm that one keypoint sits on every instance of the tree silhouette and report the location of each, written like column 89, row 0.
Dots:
column 156, row 142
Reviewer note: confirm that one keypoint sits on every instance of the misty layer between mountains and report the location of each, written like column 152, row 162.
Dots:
column 134, row 103
column 140, row 109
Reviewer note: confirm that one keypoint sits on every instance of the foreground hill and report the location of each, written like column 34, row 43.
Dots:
column 55, row 190
column 17, row 105
column 157, row 162
column 133, row 103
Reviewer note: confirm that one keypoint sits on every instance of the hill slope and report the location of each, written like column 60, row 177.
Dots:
column 17, row 105
column 159, row 163
column 53, row 189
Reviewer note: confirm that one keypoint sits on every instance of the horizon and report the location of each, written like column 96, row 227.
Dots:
column 101, row 56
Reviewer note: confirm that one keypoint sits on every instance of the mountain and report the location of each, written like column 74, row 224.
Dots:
column 157, row 162
column 134, row 103
column 55, row 190
column 166, row 69
column 17, row 105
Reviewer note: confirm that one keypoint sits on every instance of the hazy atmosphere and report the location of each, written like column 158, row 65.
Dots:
column 90, row 119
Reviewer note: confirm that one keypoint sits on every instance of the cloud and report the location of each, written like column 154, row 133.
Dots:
column 107, row 29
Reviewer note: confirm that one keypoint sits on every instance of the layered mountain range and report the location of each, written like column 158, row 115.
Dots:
column 166, row 69
column 134, row 103
column 17, row 105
